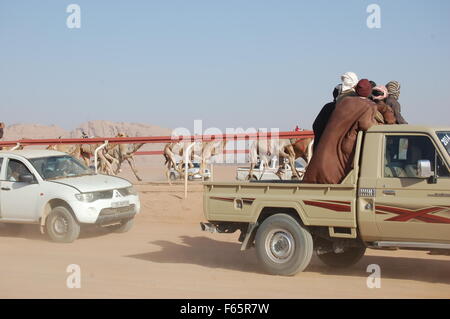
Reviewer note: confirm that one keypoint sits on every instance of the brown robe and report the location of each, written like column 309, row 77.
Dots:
column 333, row 158
column 387, row 113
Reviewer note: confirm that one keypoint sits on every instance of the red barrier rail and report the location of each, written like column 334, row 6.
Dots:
column 160, row 139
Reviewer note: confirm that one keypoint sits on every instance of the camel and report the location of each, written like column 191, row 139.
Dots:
column 210, row 149
column 72, row 150
column 17, row 147
column 169, row 152
column 112, row 154
column 123, row 152
column 289, row 149
column 10, row 148
column 303, row 148
column 206, row 150
column 84, row 153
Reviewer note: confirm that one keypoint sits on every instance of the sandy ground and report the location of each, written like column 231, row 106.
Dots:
column 166, row 255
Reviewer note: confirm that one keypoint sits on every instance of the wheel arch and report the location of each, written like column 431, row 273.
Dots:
column 292, row 209
column 265, row 210
column 50, row 205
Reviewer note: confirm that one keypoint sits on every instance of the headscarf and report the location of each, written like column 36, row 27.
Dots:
column 382, row 93
column 363, row 88
column 393, row 88
column 349, row 81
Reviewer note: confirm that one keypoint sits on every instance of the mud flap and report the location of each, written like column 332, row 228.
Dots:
column 249, row 236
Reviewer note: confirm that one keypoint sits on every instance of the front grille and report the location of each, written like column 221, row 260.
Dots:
column 111, row 211
column 113, row 215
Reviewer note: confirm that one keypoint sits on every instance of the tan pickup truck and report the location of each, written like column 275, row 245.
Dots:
column 396, row 197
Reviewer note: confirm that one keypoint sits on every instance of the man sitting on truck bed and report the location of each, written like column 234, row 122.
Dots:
column 333, row 158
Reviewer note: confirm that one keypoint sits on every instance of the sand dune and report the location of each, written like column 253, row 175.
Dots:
column 92, row 128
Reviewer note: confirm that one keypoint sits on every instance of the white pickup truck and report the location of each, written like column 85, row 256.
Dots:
column 57, row 192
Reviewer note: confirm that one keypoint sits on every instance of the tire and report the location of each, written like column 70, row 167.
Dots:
column 172, row 177
column 349, row 257
column 123, row 227
column 61, row 226
column 283, row 230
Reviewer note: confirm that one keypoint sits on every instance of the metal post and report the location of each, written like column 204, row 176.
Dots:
column 96, row 155
column 186, row 168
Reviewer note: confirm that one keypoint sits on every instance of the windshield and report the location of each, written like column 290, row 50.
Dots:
column 444, row 137
column 59, row 167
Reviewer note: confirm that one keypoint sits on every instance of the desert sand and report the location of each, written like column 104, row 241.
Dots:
column 166, row 255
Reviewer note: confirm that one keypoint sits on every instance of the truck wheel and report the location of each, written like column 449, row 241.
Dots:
column 124, row 226
column 349, row 257
column 172, row 177
column 61, row 226
column 283, row 246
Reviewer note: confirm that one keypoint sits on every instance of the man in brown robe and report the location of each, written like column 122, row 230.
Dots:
column 333, row 158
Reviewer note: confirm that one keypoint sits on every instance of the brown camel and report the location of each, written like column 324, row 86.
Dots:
column 84, row 153
column 123, row 152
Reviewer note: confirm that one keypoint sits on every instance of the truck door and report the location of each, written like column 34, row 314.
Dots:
column 18, row 200
column 407, row 207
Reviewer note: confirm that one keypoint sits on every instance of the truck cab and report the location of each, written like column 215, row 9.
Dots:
column 405, row 169
column 397, row 196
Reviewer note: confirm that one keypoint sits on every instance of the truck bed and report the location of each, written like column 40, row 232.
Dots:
column 317, row 205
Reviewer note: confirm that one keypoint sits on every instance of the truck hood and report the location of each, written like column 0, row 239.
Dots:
column 94, row 183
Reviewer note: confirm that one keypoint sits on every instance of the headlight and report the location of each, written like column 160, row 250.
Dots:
column 85, row 197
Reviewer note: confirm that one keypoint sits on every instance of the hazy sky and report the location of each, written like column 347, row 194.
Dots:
column 247, row 63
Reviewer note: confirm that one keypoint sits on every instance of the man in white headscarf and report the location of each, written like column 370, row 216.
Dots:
column 349, row 81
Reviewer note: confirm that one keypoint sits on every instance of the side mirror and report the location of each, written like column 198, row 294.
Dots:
column 27, row 178
column 424, row 169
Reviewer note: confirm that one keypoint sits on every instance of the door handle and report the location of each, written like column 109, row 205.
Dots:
column 6, row 189
column 389, row 192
